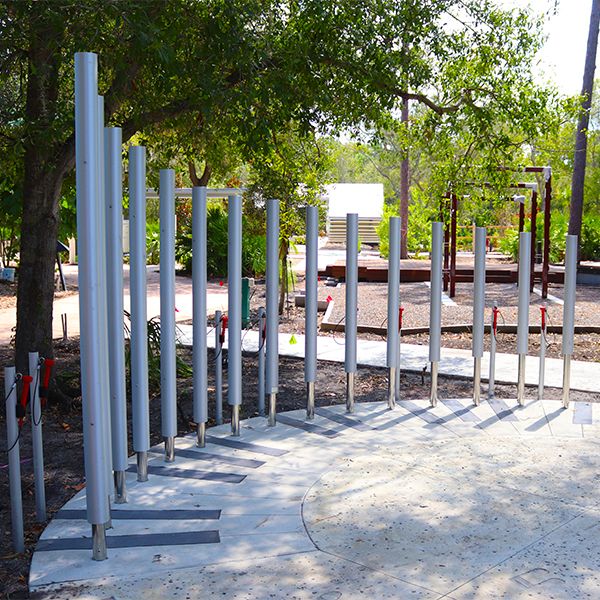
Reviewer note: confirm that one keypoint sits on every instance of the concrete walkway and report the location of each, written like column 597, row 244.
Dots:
column 585, row 376
column 458, row 502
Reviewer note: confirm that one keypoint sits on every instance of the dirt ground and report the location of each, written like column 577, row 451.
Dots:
column 63, row 434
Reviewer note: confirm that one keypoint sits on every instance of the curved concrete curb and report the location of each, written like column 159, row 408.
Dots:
column 456, row 501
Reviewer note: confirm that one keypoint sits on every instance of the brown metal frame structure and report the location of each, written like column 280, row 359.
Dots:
column 450, row 202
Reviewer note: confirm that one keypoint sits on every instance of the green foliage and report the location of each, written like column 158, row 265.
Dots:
column 420, row 217
column 253, row 245
column 590, row 237
column 509, row 242
column 152, row 243
column 182, row 368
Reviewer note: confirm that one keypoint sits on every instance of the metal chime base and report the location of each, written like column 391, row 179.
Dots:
column 310, row 400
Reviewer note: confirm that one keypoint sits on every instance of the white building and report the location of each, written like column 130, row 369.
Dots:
column 366, row 199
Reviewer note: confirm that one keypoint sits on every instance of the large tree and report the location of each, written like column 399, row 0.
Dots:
column 577, row 186
column 242, row 69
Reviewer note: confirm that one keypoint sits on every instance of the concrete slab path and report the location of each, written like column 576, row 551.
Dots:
column 448, row 502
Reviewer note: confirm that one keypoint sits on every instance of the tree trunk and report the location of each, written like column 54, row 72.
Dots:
column 44, row 170
column 404, row 191
column 577, row 183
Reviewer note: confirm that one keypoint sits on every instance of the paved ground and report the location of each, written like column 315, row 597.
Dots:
column 452, row 502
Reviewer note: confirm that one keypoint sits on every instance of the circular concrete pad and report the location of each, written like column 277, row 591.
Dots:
column 451, row 502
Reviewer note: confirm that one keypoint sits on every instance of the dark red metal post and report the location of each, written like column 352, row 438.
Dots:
column 453, row 217
column 534, row 197
column 546, row 259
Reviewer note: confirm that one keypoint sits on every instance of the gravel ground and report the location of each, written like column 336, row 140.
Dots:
column 372, row 307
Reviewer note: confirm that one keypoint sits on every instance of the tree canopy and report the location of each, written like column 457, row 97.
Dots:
column 208, row 80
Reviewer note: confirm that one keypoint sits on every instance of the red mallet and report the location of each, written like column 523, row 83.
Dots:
column 22, row 405
column 48, row 364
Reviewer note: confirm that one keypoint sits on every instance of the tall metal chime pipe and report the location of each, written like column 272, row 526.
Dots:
column 37, row 438
column 101, row 209
column 351, row 306
column 218, row 368
column 234, row 278
column 310, row 309
column 393, row 309
column 272, row 306
column 478, row 310
column 493, row 333
column 568, row 331
column 168, row 366
column 199, row 283
column 523, row 310
column 14, row 460
column 86, row 155
column 262, row 323
column 435, row 311
column 114, row 290
column 543, row 345
column 139, row 325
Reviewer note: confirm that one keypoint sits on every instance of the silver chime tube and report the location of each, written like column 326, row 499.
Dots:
column 87, row 147
column 272, row 306
column 218, row 369
column 168, row 366
column 262, row 323
column 393, row 309
column 523, row 310
column 568, row 328
column 36, row 438
column 14, row 460
column 114, row 289
column 234, row 278
column 199, row 285
column 435, row 311
column 351, row 306
column 543, row 346
column 478, row 310
column 492, row 374
column 310, row 311
column 139, row 319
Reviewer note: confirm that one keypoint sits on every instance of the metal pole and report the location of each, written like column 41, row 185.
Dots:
column 101, row 208
column 272, row 306
column 493, row 331
column 234, row 278
column 168, row 347
column 139, row 324
column 393, row 308
column 435, row 311
column 351, row 306
column 87, row 146
column 36, row 438
column 568, row 328
column 199, row 282
column 262, row 323
column 478, row 310
column 114, row 290
column 310, row 308
column 543, row 344
column 14, row 460
column 218, row 370
column 523, row 312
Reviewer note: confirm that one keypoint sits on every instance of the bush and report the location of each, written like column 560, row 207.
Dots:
column 418, row 237
column 254, row 246
column 590, row 238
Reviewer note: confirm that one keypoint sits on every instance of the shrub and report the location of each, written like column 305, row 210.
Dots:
column 418, row 238
column 254, row 248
